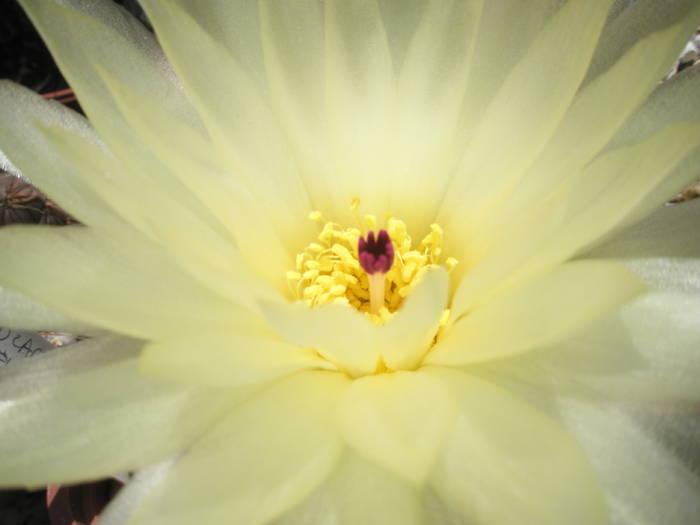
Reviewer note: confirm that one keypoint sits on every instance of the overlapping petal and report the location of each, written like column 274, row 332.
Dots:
column 258, row 462
column 500, row 445
column 86, row 412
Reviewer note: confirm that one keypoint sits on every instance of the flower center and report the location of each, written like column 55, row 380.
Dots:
column 374, row 274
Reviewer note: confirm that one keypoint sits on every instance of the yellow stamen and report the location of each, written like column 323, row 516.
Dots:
column 328, row 270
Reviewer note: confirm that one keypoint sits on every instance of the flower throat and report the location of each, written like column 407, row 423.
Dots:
column 341, row 264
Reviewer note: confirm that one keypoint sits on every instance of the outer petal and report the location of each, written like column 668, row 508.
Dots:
column 357, row 492
column 130, row 497
column 676, row 100
column 244, row 132
column 648, row 351
column 227, row 359
column 47, row 168
column 506, row 463
column 526, row 110
column 664, row 249
column 398, row 421
column 541, row 312
column 21, row 312
column 596, row 113
column 621, row 451
column 85, row 412
column 74, row 269
column 258, row 462
column 583, row 210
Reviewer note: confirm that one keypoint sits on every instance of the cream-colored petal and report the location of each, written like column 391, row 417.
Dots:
column 360, row 96
column 245, row 133
column 663, row 249
column 633, row 21
column 541, row 312
column 676, row 100
column 128, row 287
column 399, row 421
column 235, row 25
column 85, row 412
column 525, row 112
column 590, row 205
column 207, row 255
column 132, row 494
column 27, row 147
column 107, row 36
column 21, row 312
column 359, row 491
column 663, row 489
column 226, row 359
column 595, row 115
column 507, row 463
column 339, row 333
column 647, row 352
column 406, row 337
column 506, row 31
column 261, row 460
column 430, row 88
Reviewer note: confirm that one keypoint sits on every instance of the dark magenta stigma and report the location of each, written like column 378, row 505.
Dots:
column 375, row 254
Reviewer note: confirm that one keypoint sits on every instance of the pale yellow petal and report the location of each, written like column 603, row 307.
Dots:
column 590, row 205
column 21, row 312
column 632, row 21
column 129, row 287
column 259, row 461
column 430, row 90
column 339, row 333
column 542, row 311
column 595, row 115
column 646, row 352
column 244, row 131
column 359, row 492
column 399, row 421
column 506, row 463
column 406, row 337
column 49, row 169
column 226, row 359
column 85, row 412
column 526, row 110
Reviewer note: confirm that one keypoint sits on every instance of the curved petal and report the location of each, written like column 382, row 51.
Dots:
column 227, row 359
column 596, row 113
column 243, row 129
column 526, row 111
column 663, row 249
column 339, row 333
column 635, row 21
column 129, row 497
column 406, row 337
column 47, row 168
column 541, row 312
column 647, row 352
column 85, row 412
column 259, row 461
column 621, row 451
column 590, row 205
column 399, row 421
column 359, row 491
column 20, row 312
column 507, row 463
column 125, row 286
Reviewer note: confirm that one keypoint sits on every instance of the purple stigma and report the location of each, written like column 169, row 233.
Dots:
column 376, row 255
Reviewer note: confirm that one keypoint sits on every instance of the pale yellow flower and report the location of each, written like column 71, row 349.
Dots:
column 504, row 372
